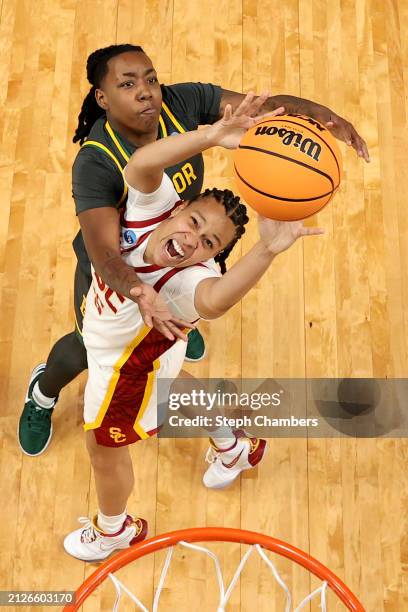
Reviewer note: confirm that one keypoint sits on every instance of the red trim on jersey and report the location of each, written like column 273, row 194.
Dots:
column 146, row 269
column 147, row 222
column 143, row 237
column 159, row 284
column 149, row 268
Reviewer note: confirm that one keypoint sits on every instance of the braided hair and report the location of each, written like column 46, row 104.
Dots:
column 96, row 69
column 235, row 210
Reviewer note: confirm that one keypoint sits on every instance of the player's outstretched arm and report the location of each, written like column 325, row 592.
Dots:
column 145, row 168
column 340, row 128
column 213, row 297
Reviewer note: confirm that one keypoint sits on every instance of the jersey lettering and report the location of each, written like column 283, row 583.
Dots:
column 98, row 303
column 179, row 182
column 101, row 284
column 188, row 172
column 184, row 178
column 83, row 305
column 108, row 293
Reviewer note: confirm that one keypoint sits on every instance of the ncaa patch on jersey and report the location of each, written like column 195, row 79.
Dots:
column 129, row 237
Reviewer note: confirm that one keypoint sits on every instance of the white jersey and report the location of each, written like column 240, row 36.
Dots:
column 119, row 346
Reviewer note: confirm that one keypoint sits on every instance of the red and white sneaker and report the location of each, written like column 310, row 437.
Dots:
column 89, row 543
column 227, row 464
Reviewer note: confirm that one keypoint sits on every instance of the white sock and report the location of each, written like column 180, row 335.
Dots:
column 41, row 399
column 111, row 524
column 223, row 437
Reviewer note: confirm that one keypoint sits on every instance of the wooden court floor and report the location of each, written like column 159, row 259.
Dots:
column 334, row 306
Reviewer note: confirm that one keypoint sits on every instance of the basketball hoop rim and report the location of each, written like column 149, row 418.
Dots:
column 214, row 534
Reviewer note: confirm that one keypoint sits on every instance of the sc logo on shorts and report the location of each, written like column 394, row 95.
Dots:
column 117, row 435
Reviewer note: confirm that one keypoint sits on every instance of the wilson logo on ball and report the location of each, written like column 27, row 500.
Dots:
column 289, row 137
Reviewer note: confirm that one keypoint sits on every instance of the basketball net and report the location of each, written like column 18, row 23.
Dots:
column 225, row 594
column 187, row 538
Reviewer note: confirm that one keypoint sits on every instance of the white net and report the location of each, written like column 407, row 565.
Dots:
column 224, row 593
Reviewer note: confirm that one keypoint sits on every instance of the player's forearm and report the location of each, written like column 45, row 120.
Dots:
column 117, row 274
column 293, row 105
column 219, row 296
column 101, row 230
column 166, row 152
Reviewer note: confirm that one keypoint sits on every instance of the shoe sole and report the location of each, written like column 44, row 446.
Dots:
column 97, row 560
column 33, row 375
column 197, row 359
column 224, row 484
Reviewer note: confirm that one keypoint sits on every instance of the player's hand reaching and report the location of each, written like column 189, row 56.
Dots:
column 228, row 131
column 277, row 236
column 340, row 128
column 155, row 313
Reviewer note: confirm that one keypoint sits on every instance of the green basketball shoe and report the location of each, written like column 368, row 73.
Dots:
column 35, row 427
column 195, row 346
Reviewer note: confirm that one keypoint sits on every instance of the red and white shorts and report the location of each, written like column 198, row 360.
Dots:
column 120, row 402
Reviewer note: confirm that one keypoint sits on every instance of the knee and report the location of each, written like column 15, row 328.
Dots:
column 69, row 352
column 78, row 349
column 109, row 460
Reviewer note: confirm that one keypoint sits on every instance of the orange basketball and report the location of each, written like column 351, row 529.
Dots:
column 288, row 167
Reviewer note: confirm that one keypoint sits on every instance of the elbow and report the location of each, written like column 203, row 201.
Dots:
column 210, row 312
column 211, row 316
column 208, row 302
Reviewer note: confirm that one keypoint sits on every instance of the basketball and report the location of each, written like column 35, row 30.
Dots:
column 288, row 167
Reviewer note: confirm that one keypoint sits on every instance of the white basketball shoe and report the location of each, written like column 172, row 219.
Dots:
column 227, row 464
column 89, row 543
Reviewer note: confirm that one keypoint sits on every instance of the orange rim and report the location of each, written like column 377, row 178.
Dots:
column 218, row 534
